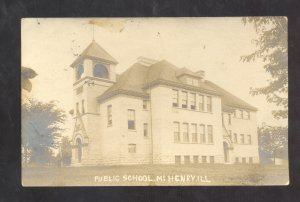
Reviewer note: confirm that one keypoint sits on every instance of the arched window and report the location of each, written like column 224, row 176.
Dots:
column 100, row 71
column 79, row 72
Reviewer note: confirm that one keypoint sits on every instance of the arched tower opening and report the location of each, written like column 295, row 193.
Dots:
column 100, row 71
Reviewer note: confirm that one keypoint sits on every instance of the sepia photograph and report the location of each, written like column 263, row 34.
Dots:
column 185, row 101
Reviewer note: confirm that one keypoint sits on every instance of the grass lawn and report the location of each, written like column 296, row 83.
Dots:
column 202, row 174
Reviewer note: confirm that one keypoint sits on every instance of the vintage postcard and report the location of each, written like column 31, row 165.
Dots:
column 154, row 101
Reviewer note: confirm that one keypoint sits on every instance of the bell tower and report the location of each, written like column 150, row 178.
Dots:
column 93, row 74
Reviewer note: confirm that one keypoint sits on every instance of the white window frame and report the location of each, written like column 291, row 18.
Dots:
column 185, row 133
column 109, row 115
column 193, row 101
column 210, row 134
column 201, row 104
column 184, row 99
column 131, row 148
column 131, row 117
column 209, row 109
column 176, row 125
column 194, row 133
column 175, row 98
column 202, row 134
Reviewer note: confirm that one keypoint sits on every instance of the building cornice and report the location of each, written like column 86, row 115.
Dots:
column 231, row 108
column 122, row 92
column 180, row 85
column 93, row 78
column 80, row 58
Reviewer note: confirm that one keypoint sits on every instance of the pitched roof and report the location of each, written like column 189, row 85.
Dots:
column 230, row 100
column 94, row 50
column 186, row 71
column 138, row 77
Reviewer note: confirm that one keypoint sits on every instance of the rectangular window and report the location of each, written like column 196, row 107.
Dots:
column 145, row 104
column 229, row 119
column 250, row 160
column 249, row 139
column 184, row 99
column 235, row 138
column 211, row 159
column 175, row 98
column 203, row 159
column 79, row 90
column 242, row 114
column 189, row 81
column 185, row 132
column 82, row 107
column 176, row 132
column 77, row 107
column 247, row 115
column 194, row 132
column 239, row 114
column 177, row 160
column 109, row 115
column 202, row 133
column 132, row 148
column 131, row 119
column 193, row 101
column 242, row 139
column 145, row 129
column 237, row 160
column 244, row 160
column 209, row 103
column 195, row 82
column 186, row 159
column 201, row 103
column 210, row 134
column 229, row 133
column 195, row 159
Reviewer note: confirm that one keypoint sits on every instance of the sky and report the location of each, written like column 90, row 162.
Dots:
column 215, row 45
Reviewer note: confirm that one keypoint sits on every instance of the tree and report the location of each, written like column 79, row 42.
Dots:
column 42, row 125
column 66, row 151
column 271, row 47
column 273, row 141
column 26, row 74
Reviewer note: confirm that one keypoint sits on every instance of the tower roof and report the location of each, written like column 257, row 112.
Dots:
column 94, row 51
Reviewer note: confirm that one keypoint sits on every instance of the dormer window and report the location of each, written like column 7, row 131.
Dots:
column 189, row 81
column 192, row 81
column 79, row 72
column 100, row 71
column 193, row 101
column 184, row 100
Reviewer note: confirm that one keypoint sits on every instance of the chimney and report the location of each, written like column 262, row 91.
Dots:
column 146, row 61
column 201, row 74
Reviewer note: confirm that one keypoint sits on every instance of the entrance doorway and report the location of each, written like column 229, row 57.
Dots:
column 226, row 152
column 79, row 149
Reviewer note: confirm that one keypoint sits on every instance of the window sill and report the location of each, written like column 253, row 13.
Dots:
column 241, row 118
column 194, row 143
column 131, row 130
column 193, row 110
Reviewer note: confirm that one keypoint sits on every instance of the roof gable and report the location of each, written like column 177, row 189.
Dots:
column 94, row 50
column 230, row 100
